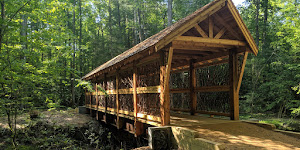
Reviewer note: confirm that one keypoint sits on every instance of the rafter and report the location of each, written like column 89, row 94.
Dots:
column 227, row 26
column 211, row 41
column 211, row 27
column 221, row 33
column 202, row 60
column 200, row 30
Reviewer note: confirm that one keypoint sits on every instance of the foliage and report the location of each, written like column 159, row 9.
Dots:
column 46, row 45
column 269, row 76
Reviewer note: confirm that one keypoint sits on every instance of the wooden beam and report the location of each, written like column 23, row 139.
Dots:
column 227, row 26
column 198, row 44
column 220, row 88
column 137, row 125
column 193, row 96
column 233, row 80
column 191, row 52
column 140, row 90
column 91, row 104
column 204, row 60
column 220, row 34
column 105, row 98
column 126, row 114
column 211, row 41
column 202, row 112
column 242, row 71
column 222, row 61
column 97, row 101
column 162, row 94
column 200, row 31
column 211, row 27
column 180, row 90
column 194, row 47
column 166, row 119
column 185, row 57
column 117, row 100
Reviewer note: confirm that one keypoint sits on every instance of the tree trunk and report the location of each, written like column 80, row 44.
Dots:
column 257, row 21
column 73, row 61
column 80, row 38
column 135, row 29
column 110, row 28
column 170, row 13
column 265, row 22
column 2, row 26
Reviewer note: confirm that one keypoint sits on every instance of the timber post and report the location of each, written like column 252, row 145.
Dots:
column 105, row 98
column 233, row 81
column 164, row 86
column 138, row 126
column 193, row 96
column 97, row 102
column 91, row 112
column 117, row 99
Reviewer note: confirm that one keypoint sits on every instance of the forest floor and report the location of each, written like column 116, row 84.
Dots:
column 64, row 129
column 284, row 123
column 54, row 117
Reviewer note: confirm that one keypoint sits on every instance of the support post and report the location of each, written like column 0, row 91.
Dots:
column 91, row 112
column 233, row 81
column 105, row 98
column 165, row 90
column 117, row 99
column 193, row 96
column 138, row 126
column 97, row 102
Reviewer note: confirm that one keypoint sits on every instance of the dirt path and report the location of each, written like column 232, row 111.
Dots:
column 236, row 134
column 54, row 117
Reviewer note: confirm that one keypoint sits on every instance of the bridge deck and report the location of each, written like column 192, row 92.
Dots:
column 234, row 134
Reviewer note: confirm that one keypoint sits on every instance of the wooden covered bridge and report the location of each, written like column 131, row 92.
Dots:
column 195, row 66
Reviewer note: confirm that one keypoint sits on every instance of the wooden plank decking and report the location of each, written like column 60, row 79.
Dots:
column 234, row 134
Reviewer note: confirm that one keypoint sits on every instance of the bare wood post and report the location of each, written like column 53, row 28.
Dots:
column 105, row 98
column 138, row 126
column 233, row 81
column 86, row 101
column 165, row 90
column 193, row 96
column 91, row 112
column 97, row 102
column 117, row 99
column 161, row 76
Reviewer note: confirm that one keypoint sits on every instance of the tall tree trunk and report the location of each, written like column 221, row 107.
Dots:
column 265, row 22
column 110, row 27
column 141, row 26
column 121, row 36
column 73, row 61
column 170, row 13
column 2, row 26
column 257, row 22
column 80, row 38
column 135, row 25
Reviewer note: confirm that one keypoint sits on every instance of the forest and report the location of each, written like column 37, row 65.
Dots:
column 46, row 46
